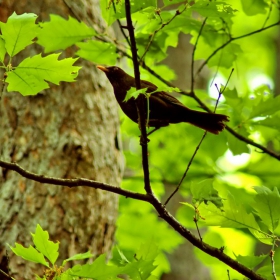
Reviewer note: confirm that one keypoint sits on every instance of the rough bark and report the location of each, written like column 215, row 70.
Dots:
column 67, row 131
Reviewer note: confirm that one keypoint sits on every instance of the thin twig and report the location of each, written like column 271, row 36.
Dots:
column 220, row 92
column 120, row 25
column 140, row 103
column 271, row 254
column 177, row 13
column 268, row 15
column 193, row 53
column 192, row 89
column 153, row 130
column 228, row 274
column 231, row 40
column 195, row 219
column 187, row 169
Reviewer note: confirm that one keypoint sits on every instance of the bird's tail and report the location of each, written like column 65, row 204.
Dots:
column 211, row 122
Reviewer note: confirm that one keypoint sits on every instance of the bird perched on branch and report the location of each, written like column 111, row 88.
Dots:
column 163, row 107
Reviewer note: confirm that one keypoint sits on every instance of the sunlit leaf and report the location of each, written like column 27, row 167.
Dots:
column 253, row 7
column 111, row 13
column 204, row 192
column 18, row 32
column 48, row 248
column 266, row 205
column 30, row 76
column 250, row 261
column 134, row 93
column 98, row 52
column 81, row 256
column 213, row 9
column 96, row 270
column 266, row 107
column 67, row 32
column 29, row 254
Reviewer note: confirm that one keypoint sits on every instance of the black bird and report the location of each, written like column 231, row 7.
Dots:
column 164, row 108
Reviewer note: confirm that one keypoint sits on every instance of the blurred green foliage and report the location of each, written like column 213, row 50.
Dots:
column 231, row 187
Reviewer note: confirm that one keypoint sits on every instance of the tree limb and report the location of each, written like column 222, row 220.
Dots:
column 140, row 101
column 163, row 213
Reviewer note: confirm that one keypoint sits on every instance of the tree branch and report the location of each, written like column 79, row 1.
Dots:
column 177, row 13
column 71, row 182
column 163, row 213
column 233, row 39
column 193, row 53
column 140, row 103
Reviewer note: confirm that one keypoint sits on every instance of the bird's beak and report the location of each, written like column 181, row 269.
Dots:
column 102, row 68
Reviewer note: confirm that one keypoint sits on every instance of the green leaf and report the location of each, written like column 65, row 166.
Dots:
column 29, row 77
column 213, row 9
column 251, row 261
column 232, row 98
column 233, row 215
column 18, row 32
column 236, row 146
column 48, row 248
column 96, row 270
column 145, row 257
column 253, row 7
column 166, row 89
column 29, row 254
column 267, row 107
column 2, row 50
column 266, row 168
column 98, row 52
column 81, row 256
column 67, row 33
column 148, row 250
column 139, row 270
column 266, row 205
column 273, row 122
column 204, row 192
column 265, row 271
column 171, row 2
column 134, row 93
column 110, row 15
column 227, row 57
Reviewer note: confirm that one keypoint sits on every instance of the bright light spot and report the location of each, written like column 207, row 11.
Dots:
column 244, row 246
column 230, row 162
column 256, row 79
column 220, row 81
column 238, row 160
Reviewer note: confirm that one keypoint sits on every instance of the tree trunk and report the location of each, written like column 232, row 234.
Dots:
column 68, row 131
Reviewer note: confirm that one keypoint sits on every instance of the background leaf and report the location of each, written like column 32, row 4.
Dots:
column 98, row 52
column 67, row 33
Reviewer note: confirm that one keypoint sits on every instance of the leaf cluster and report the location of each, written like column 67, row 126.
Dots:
column 215, row 193
column 46, row 253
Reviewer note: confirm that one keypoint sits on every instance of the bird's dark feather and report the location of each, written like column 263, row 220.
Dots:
column 163, row 107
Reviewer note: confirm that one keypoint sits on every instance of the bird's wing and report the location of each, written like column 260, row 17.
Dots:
column 167, row 98
column 145, row 84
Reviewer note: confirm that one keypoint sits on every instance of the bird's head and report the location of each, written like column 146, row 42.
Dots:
column 115, row 75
